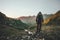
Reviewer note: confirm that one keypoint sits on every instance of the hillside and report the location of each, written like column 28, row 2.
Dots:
column 18, row 24
column 54, row 20
column 10, row 28
column 10, row 33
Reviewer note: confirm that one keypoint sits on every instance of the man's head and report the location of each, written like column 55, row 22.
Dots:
column 39, row 13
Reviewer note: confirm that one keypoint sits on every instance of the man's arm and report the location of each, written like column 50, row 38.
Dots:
column 36, row 19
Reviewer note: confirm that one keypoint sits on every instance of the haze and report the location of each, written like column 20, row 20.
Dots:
column 17, row 8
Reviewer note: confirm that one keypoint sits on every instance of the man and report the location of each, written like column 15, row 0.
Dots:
column 39, row 20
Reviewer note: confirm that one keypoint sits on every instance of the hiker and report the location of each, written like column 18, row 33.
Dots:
column 39, row 20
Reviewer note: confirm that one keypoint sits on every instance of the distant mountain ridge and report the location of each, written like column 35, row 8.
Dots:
column 32, row 19
column 49, row 19
column 28, row 19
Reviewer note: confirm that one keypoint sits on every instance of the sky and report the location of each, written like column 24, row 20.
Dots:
column 17, row 8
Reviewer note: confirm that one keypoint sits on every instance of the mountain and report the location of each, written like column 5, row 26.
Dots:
column 10, row 28
column 54, row 20
column 30, row 20
column 18, row 24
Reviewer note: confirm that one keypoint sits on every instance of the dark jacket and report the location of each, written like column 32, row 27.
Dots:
column 39, row 18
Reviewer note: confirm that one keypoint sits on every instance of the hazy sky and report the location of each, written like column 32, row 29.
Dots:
column 16, row 8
